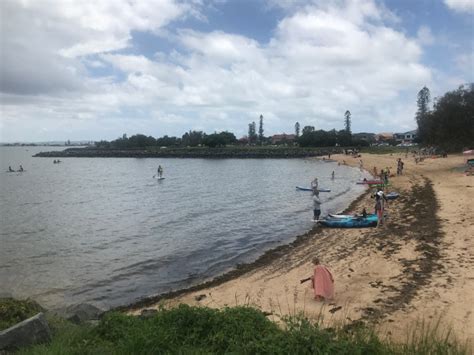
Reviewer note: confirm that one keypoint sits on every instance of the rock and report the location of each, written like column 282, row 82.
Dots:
column 147, row 313
column 80, row 313
column 200, row 297
column 34, row 330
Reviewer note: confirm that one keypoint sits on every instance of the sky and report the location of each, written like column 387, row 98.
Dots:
column 96, row 69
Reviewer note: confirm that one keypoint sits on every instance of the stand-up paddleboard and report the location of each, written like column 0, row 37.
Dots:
column 310, row 189
column 158, row 177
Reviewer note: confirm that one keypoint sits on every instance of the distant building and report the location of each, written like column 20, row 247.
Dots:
column 406, row 137
column 383, row 137
column 283, row 138
column 368, row 137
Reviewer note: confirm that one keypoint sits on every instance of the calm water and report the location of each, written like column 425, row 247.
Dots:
column 104, row 231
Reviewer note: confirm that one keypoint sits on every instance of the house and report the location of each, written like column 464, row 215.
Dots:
column 406, row 137
column 283, row 138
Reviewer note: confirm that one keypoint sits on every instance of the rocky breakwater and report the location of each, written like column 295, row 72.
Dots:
column 198, row 152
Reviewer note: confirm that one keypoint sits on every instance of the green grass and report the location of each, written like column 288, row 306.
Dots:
column 13, row 311
column 237, row 330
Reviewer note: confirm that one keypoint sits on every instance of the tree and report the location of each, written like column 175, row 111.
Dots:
column 422, row 114
column 252, row 133
column 307, row 129
column 297, row 129
column 347, row 122
column 219, row 139
column 451, row 123
column 260, row 131
column 192, row 138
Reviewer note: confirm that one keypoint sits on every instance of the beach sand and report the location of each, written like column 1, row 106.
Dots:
column 417, row 267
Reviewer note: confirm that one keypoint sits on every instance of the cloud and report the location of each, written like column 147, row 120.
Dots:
column 460, row 5
column 44, row 43
column 322, row 60
column 425, row 36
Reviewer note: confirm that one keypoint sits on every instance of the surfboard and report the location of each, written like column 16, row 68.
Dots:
column 310, row 189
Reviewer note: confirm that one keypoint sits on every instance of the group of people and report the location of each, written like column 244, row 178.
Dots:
column 13, row 171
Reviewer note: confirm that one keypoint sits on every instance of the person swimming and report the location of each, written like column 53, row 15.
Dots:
column 10, row 169
column 21, row 168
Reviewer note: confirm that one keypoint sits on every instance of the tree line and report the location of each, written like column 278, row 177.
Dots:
column 309, row 137
column 449, row 124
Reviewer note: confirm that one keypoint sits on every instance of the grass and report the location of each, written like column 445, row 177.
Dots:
column 236, row 330
column 13, row 311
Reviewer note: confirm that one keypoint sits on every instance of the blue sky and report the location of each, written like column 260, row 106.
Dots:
column 98, row 69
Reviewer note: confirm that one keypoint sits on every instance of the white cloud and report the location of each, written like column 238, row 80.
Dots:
column 425, row 36
column 322, row 60
column 460, row 5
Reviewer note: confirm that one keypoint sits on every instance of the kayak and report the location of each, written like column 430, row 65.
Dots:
column 343, row 216
column 370, row 182
column 369, row 221
column 310, row 189
column 392, row 195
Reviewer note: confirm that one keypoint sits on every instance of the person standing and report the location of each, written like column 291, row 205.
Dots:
column 160, row 171
column 333, row 175
column 380, row 200
column 322, row 282
column 314, row 185
column 316, row 205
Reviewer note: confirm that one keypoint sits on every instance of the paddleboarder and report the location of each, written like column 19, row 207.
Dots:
column 159, row 171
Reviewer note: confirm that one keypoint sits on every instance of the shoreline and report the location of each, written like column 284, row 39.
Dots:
column 416, row 267
column 266, row 259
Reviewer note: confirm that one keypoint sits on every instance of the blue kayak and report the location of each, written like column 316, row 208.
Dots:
column 310, row 189
column 351, row 222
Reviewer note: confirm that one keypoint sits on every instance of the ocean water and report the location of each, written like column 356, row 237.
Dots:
column 104, row 231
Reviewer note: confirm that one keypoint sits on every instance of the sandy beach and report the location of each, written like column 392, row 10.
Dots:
column 416, row 267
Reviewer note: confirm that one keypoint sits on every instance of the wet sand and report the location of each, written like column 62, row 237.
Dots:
column 418, row 266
